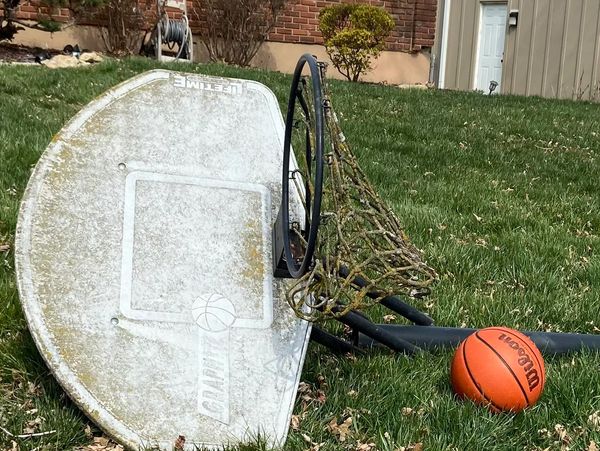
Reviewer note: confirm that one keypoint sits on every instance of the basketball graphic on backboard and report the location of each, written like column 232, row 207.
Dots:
column 213, row 312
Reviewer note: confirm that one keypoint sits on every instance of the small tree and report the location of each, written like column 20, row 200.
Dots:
column 234, row 30
column 125, row 25
column 353, row 35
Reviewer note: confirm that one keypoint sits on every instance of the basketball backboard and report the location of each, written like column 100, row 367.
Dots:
column 144, row 263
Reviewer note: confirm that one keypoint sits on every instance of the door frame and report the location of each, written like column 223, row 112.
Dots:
column 447, row 5
column 482, row 3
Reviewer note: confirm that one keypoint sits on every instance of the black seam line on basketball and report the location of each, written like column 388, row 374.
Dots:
column 505, row 364
column 473, row 379
column 533, row 351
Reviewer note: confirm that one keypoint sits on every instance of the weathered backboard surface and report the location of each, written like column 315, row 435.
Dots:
column 144, row 263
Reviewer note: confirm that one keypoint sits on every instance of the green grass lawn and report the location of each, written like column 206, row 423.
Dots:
column 500, row 192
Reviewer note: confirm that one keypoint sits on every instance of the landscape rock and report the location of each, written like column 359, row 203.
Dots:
column 91, row 57
column 62, row 61
column 412, row 86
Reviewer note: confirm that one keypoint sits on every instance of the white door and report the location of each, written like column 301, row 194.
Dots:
column 492, row 28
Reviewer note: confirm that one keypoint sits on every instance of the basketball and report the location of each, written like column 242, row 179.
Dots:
column 213, row 312
column 500, row 368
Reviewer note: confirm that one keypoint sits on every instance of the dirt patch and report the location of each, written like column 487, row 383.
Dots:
column 13, row 53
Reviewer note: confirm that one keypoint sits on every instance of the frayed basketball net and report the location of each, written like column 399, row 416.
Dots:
column 362, row 253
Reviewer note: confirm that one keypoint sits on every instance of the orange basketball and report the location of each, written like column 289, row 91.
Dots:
column 500, row 368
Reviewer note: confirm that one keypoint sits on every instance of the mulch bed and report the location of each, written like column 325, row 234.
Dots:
column 13, row 53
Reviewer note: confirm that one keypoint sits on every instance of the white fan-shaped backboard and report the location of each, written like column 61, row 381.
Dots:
column 159, row 192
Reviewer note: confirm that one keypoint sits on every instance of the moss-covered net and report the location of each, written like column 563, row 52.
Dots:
column 360, row 239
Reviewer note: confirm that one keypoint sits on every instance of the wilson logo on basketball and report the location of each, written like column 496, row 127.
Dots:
column 533, row 378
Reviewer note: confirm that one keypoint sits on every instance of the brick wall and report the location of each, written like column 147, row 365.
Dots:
column 415, row 22
column 33, row 10
column 299, row 22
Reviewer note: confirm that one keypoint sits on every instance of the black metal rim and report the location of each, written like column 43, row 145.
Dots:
column 313, row 199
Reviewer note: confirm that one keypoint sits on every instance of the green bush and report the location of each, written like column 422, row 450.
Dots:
column 354, row 34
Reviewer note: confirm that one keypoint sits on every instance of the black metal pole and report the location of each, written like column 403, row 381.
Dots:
column 377, row 333
column 394, row 303
column 445, row 337
column 333, row 343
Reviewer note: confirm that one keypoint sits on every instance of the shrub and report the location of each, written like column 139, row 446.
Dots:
column 354, row 34
column 124, row 25
column 235, row 30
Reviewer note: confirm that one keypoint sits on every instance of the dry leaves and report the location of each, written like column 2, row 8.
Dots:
column 594, row 420
column 389, row 318
column 314, row 446
column 341, row 431
column 406, row 411
column 365, row 446
column 34, row 390
column 33, row 426
column 309, row 395
column 409, row 411
column 562, row 437
column 179, row 443
column 416, row 447
column 101, row 444
column 592, row 446
column 321, row 382
column 561, row 433
column 295, row 422
column 4, row 247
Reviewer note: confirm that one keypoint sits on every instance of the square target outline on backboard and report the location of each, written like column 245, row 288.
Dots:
column 125, row 301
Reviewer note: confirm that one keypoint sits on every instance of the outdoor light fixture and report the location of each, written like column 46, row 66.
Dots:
column 493, row 86
column 513, row 17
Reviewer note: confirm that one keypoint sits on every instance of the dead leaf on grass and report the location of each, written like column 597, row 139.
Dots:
column 321, row 397
column 102, row 441
column 101, row 444
column 33, row 426
column 407, row 411
column 561, row 433
column 592, row 446
column 341, row 431
column 321, row 382
column 545, row 433
column 365, row 446
column 295, row 422
column 416, row 447
column 4, row 247
column 314, row 446
column 179, row 443
column 307, row 394
column 389, row 318
column 33, row 389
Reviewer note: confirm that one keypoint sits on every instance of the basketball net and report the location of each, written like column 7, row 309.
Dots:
column 362, row 253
